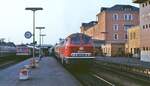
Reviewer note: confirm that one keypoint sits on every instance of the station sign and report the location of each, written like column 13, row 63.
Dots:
column 28, row 35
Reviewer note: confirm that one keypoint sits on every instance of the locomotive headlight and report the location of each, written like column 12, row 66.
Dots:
column 81, row 48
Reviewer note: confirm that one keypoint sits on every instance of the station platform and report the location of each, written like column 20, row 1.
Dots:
column 48, row 73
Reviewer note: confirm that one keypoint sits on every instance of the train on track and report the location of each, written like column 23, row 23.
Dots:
column 75, row 48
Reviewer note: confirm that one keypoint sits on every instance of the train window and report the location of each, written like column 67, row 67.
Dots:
column 75, row 39
column 86, row 39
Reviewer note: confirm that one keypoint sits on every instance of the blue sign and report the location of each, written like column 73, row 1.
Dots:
column 28, row 34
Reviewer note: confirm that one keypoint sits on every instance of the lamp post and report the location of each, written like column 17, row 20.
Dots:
column 40, row 28
column 1, row 46
column 33, row 9
column 42, row 38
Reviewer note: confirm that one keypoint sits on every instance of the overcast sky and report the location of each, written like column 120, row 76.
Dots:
column 59, row 17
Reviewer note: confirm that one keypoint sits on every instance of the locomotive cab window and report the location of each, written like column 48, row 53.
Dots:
column 86, row 39
column 75, row 39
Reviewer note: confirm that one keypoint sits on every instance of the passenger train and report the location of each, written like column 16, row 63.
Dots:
column 75, row 48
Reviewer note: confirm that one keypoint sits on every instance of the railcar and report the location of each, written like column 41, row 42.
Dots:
column 75, row 48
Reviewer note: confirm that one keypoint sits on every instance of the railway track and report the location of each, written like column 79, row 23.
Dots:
column 103, row 74
column 86, row 77
column 120, row 76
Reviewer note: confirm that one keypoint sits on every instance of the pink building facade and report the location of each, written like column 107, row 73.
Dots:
column 113, row 25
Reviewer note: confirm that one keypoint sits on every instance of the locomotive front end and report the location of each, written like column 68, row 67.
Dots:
column 79, row 47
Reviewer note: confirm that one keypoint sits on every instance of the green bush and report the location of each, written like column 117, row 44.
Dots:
column 12, row 58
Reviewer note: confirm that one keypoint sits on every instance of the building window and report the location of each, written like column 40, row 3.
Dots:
column 126, row 36
column 125, row 17
column 115, row 36
column 127, row 9
column 146, row 26
column 135, row 50
column 142, row 5
column 146, row 4
column 143, row 26
column 115, row 27
column 146, row 48
column 130, row 36
column 128, row 17
column 134, row 35
column 143, row 48
column 126, row 27
column 115, row 16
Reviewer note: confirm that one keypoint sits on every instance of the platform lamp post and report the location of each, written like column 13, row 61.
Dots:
column 40, row 28
column 33, row 9
column 1, row 41
column 42, row 35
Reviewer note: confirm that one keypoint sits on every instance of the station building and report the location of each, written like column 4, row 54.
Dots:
column 145, row 28
column 114, row 23
column 111, row 28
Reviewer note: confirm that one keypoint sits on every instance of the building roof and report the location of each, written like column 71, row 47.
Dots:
column 139, row 1
column 76, row 34
column 21, row 45
column 88, row 25
column 120, row 8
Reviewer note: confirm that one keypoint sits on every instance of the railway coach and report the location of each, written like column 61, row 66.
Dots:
column 75, row 48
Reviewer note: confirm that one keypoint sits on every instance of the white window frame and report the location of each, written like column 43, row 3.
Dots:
column 128, row 17
column 115, row 16
column 126, row 28
column 125, row 17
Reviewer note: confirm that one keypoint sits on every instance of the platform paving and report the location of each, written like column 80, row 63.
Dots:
column 49, row 73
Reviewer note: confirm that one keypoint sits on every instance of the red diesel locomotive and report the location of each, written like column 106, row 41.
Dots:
column 75, row 47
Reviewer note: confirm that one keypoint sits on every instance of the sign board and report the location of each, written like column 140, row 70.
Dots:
column 28, row 35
